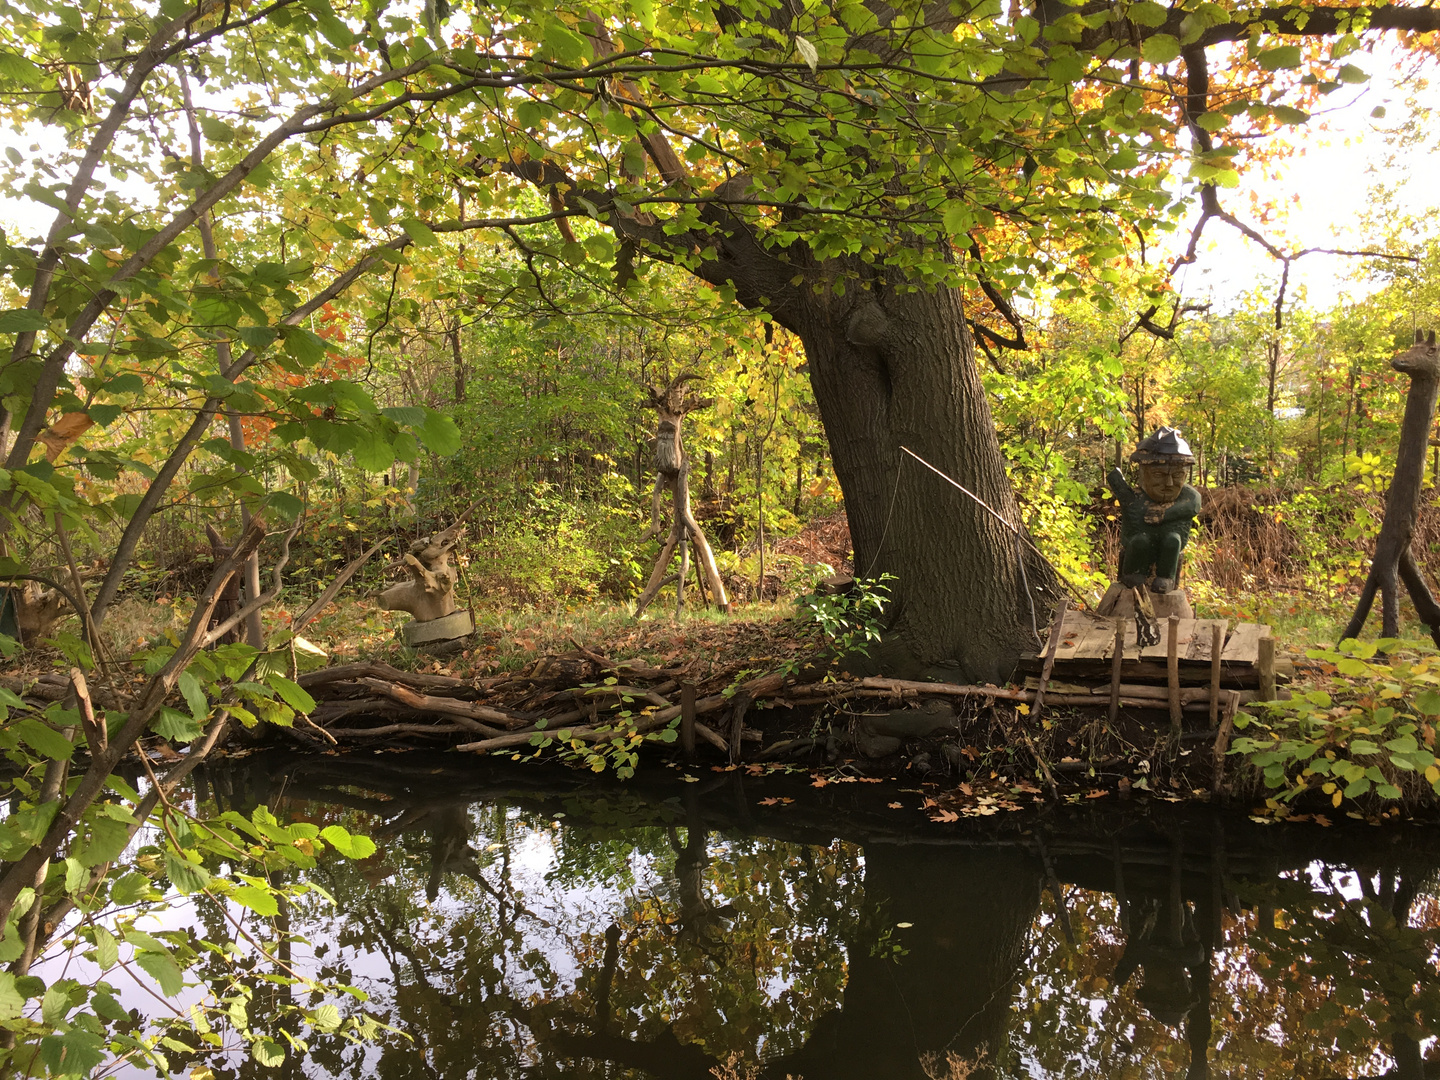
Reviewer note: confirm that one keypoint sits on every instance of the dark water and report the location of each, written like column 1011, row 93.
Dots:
column 520, row 923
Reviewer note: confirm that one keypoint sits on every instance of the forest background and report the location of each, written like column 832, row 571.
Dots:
column 323, row 275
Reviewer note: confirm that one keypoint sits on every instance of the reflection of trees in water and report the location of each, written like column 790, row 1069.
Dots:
column 1177, row 971
column 696, row 943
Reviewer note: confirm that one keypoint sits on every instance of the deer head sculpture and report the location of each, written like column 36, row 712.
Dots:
column 1420, row 360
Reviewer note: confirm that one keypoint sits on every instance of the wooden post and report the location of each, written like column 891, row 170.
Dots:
column 1265, row 665
column 1172, row 676
column 1217, row 645
column 1115, row 662
column 687, row 720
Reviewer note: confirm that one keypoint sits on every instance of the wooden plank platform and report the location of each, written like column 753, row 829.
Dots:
column 1087, row 643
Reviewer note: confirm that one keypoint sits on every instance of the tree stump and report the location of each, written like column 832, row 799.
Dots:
column 1393, row 558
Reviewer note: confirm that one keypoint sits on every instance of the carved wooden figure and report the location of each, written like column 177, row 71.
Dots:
column 430, row 591
column 1402, row 506
column 672, row 470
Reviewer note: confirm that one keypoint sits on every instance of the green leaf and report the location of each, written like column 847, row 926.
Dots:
column 194, row 696
column 267, row 1052
column 107, row 949
column 419, row 232
column 44, row 739
column 349, row 845
column 439, row 433
column 1160, row 49
column 11, row 1001
column 176, row 726
column 261, row 901
column 17, row 320
column 162, row 968
column 129, row 889
column 1349, row 73
column 326, row 1018
column 185, row 875
column 293, row 694
column 1283, row 56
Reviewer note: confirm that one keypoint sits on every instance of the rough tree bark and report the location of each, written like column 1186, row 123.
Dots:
column 892, row 369
column 1402, row 505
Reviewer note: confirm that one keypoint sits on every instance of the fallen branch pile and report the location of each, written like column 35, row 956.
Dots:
column 590, row 699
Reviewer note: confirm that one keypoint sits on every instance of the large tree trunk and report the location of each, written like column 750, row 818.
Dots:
column 890, row 368
column 899, row 371
column 893, row 369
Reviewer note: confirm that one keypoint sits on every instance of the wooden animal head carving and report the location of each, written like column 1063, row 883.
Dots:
column 1421, row 359
column 672, row 405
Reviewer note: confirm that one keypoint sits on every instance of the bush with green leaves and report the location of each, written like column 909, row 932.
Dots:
column 850, row 621
column 1369, row 738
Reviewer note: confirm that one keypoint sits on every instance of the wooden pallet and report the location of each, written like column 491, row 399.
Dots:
column 1087, row 643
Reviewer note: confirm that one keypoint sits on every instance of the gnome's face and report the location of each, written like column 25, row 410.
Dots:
column 1162, row 483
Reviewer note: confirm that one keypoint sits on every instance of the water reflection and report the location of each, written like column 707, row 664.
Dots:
column 687, row 931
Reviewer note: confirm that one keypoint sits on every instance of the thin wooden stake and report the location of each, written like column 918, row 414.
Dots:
column 1039, row 703
column 1116, row 662
column 1217, row 645
column 1265, row 665
column 1172, row 676
column 1222, row 740
column 1049, row 666
column 687, row 719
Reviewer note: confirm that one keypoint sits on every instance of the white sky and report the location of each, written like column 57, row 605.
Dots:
column 1325, row 188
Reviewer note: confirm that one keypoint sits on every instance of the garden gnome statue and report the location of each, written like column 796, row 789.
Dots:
column 1155, row 521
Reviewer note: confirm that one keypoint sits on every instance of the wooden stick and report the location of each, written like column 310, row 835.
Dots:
column 1265, row 665
column 1222, row 739
column 687, row 719
column 1049, row 666
column 1217, row 644
column 1172, row 675
column 737, row 725
column 657, row 575
column 1116, row 662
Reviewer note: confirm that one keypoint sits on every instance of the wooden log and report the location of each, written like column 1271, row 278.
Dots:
column 1265, row 666
column 1172, row 673
column 657, row 575
column 444, row 706
column 713, row 737
column 376, row 670
column 737, row 725
column 687, row 719
column 1117, row 661
column 1217, row 646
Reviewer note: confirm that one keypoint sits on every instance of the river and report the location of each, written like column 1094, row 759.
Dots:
column 527, row 922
